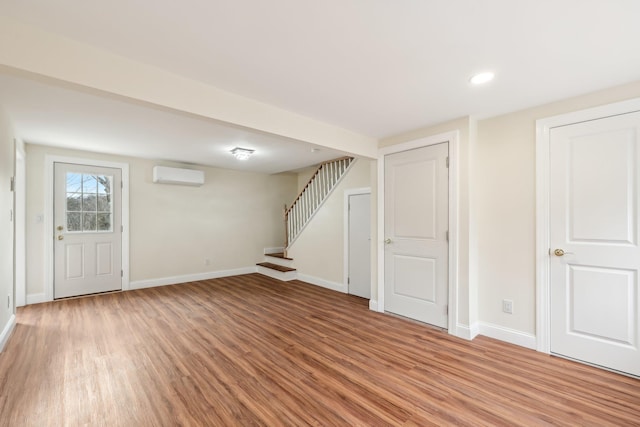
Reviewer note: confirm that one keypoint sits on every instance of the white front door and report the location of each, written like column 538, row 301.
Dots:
column 359, row 278
column 594, row 235
column 416, row 226
column 88, row 229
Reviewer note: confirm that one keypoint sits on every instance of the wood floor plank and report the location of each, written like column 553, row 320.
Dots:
column 252, row 351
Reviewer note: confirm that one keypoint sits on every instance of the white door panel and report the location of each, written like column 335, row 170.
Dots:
column 359, row 277
column 415, row 217
column 409, row 274
column 88, row 234
column 594, row 220
column 416, row 224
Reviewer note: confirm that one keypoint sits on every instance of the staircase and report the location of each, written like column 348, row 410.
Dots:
column 321, row 184
column 278, row 266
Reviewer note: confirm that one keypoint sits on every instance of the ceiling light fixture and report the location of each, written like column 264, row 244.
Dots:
column 242, row 153
column 482, row 78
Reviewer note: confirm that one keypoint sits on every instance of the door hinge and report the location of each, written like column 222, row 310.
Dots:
column 446, row 309
column 447, row 161
column 121, row 273
column 348, row 280
column 447, row 235
column 122, row 228
column 121, row 184
column 13, row 184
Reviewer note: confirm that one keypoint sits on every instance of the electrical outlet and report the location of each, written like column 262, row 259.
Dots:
column 507, row 306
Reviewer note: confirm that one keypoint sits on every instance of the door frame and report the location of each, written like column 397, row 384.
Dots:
column 20, row 234
column 348, row 193
column 48, row 209
column 453, row 139
column 543, row 187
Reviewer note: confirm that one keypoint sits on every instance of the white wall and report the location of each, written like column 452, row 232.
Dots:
column 319, row 250
column 7, row 293
column 174, row 229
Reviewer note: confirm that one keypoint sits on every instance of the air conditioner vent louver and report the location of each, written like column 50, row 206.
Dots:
column 177, row 176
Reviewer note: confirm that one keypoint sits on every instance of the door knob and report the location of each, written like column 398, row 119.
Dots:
column 561, row 252
column 60, row 237
column 60, row 228
column 387, row 241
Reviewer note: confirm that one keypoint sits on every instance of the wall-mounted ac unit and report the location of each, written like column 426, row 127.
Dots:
column 178, row 176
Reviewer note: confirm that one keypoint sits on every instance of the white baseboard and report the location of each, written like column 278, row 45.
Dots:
column 6, row 332
column 163, row 281
column 373, row 305
column 36, row 298
column 512, row 336
column 467, row 332
column 334, row 286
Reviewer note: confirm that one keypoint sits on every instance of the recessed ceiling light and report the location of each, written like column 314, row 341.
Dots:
column 482, row 78
column 242, row 153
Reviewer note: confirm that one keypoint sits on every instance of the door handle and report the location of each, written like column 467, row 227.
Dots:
column 387, row 241
column 59, row 228
column 60, row 237
column 561, row 252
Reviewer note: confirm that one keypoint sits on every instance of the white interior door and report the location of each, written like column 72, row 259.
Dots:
column 416, row 226
column 88, row 229
column 594, row 242
column 360, row 245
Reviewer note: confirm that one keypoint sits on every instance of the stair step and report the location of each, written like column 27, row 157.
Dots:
column 279, row 255
column 276, row 267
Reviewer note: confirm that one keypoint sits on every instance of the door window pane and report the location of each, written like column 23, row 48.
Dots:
column 104, row 203
column 89, row 203
column 89, row 184
column 104, row 184
column 73, row 221
column 74, row 182
column 89, row 221
column 74, row 203
column 104, row 222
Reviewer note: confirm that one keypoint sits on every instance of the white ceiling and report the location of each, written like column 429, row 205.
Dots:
column 376, row 67
column 64, row 116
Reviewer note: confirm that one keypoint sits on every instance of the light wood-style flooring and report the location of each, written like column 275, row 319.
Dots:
column 250, row 350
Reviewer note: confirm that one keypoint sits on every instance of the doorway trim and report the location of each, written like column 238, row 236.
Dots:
column 543, row 142
column 20, row 233
column 453, row 139
column 48, row 209
column 346, row 260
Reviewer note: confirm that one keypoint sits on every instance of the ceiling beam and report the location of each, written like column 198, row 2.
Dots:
column 30, row 49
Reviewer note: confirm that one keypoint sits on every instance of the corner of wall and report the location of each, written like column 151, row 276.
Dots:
column 7, row 171
column 7, row 331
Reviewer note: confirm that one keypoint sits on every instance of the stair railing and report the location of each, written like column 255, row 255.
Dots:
column 315, row 192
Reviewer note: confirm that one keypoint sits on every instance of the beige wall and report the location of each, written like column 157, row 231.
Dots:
column 304, row 175
column 319, row 250
column 505, row 206
column 497, row 208
column 6, row 222
column 174, row 229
